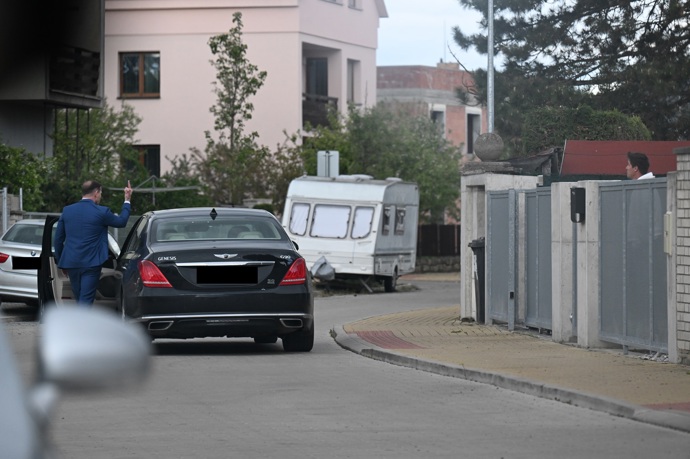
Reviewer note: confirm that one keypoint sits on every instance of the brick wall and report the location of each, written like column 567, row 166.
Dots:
column 683, row 254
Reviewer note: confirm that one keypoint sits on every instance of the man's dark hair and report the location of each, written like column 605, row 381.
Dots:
column 89, row 187
column 640, row 161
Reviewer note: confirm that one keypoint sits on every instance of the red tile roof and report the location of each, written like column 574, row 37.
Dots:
column 589, row 157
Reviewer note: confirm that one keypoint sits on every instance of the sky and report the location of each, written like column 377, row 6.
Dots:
column 419, row 32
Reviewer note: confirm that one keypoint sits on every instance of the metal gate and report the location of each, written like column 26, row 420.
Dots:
column 633, row 292
column 500, row 256
column 538, row 258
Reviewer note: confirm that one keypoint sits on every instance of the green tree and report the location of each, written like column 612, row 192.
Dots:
column 182, row 174
column 552, row 126
column 22, row 170
column 93, row 144
column 631, row 56
column 233, row 165
column 286, row 163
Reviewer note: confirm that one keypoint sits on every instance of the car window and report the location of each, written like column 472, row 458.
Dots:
column 24, row 234
column 172, row 229
column 133, row 239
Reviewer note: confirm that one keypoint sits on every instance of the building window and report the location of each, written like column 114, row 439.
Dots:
column 150, row 158
column 352, row 81
column 140, row 75
column 439, row 119
column 473, row 131
column 317, row 76
column 355, row 4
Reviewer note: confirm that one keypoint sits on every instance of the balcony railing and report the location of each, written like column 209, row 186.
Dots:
column 315, row 109
column 75, row 71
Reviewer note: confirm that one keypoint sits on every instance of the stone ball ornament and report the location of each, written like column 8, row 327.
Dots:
column 488, row 146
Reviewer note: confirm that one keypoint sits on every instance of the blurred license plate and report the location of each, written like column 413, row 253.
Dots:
column 227, row 275
column 26, row 262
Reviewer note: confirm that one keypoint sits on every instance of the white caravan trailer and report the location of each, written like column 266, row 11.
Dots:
column 353, row 226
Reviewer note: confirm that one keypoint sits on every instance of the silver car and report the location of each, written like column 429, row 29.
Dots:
column 20, row 255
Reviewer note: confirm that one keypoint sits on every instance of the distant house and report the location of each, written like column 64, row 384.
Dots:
column 50, row 58
column 435, row 88
column 605, row 159
column 317, row 53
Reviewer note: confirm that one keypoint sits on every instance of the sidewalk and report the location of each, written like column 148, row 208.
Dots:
column 435, row 340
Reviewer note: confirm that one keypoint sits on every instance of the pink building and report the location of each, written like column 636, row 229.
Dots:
column 157, row 58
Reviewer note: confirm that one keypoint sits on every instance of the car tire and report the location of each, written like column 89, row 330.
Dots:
column 299, row 341
column 266, row 339
column 390, row 283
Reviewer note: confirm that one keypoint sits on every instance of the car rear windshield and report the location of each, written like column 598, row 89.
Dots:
column 24, row 234
column 177, row 229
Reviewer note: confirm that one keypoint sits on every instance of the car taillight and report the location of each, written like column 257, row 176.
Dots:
column 3, row 257
column 297, row 274
column 151, row 276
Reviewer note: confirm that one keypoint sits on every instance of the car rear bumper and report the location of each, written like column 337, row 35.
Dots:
column 230, row 325
column 173, row 314
column 18, row 285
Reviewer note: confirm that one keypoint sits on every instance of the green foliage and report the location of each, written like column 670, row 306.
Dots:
column 23, row 170
column 232, row 167
column 395, row 140
column 93, row 144
column 268, row 207
column 182, row 174
column 552, row 126
column 286, row 164
column 161, row 193
column 628, row 56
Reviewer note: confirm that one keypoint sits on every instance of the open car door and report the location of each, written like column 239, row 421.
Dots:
column 53, row 283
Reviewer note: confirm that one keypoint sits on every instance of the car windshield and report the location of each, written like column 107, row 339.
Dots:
column 177, row 229
column 24, row 234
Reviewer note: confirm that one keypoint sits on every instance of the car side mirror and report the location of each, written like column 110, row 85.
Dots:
column 87, row 349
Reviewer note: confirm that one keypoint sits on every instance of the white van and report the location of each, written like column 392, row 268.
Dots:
column 352, row 226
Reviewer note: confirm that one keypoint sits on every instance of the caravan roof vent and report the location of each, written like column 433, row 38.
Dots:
column 361, row 177
column 393, row 179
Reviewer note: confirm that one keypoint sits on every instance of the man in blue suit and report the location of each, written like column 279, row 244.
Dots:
column 81, row 239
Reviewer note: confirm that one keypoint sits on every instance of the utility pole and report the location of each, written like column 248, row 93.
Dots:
column 490, row 68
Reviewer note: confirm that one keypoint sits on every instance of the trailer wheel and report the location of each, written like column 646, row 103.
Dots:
column 391, row 282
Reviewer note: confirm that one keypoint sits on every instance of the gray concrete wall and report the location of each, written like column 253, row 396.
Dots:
column 562, row 275
column 473, row 188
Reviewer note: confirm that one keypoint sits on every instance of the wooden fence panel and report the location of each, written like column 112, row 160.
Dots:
column 438, row 240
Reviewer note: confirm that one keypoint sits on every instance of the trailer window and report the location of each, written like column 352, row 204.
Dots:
column 400, row 221
column 361, row 226
column 386, row 220
column 298, row 218
column 330, row 221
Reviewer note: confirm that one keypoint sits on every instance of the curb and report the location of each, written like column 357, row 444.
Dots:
column 666, row 419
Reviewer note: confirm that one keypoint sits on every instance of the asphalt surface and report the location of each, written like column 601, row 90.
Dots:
column 636, row 385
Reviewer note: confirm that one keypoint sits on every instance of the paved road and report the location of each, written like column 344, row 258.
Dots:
column 231, row 398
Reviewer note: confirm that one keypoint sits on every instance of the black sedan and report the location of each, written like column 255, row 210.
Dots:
column 224, row 272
